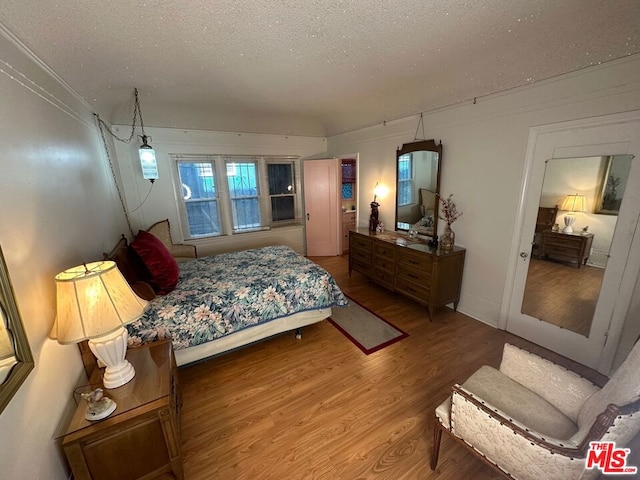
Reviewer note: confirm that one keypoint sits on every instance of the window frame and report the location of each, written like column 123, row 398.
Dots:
column 410, row 181
column 219, row 165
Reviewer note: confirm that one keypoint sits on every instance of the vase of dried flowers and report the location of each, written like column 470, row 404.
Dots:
column 449, row 214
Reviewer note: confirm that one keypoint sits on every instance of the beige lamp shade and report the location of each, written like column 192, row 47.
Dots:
column 93, row 300
column 574, row 203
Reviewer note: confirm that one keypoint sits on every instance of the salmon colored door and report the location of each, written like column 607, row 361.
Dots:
column 321, row 196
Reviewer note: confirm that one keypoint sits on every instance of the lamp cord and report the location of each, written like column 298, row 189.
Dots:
column 137, row 113
column 113, row 172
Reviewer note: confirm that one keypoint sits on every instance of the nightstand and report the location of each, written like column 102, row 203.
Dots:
column 141, row 439
column 572, row 247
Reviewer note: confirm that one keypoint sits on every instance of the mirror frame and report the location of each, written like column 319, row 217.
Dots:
column 417, row 146
column 22, row 350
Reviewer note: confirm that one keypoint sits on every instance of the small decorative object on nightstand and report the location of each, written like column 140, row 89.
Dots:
column 98, row 406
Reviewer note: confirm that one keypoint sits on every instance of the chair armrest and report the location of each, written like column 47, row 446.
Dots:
column 469, row 409
column 564, row 389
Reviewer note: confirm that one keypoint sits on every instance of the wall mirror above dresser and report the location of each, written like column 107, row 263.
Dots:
column 418, row 166
column 16, row 360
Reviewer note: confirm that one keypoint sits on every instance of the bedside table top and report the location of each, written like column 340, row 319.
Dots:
column 152, row 382
column 574, row 234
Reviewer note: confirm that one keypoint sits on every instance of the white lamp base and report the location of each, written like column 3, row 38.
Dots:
column 569, row 220
column 111, row 349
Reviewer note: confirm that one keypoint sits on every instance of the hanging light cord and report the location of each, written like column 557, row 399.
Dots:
column 102, row 126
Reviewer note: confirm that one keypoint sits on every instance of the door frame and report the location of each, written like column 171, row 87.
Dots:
column 557, row 141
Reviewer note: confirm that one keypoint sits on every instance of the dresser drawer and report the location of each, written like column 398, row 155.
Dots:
column 357, row 254
column 415, row 260
column 411, row 274
column 384, row 249
column 349, row 220
column 358, row 242
column 563, row 242
column 384, row 277
column 385, row 263
column 361, row 266
column 561, row 250
column 413, row 290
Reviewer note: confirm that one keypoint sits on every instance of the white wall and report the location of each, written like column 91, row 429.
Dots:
column 483, row 162
column 161, row 202
column 58, row 207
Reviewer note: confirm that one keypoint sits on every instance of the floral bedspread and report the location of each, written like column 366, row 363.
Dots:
column 222, row 294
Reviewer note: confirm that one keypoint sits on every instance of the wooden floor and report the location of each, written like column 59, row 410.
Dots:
column 562, row 294
column 318, row 408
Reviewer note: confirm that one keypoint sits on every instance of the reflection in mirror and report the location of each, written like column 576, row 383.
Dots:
column 16, row 360
column 7, row 355
column 418, row 186
column 566, row 269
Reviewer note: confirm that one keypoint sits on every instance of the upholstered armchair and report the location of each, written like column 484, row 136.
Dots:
column 180, row 251
column 533, row 419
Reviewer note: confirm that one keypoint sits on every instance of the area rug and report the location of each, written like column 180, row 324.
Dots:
column 366, row 330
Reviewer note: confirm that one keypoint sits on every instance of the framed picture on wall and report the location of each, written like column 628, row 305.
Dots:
column 612, row 184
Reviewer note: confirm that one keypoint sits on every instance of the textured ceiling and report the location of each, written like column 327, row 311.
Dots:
column 311, row 66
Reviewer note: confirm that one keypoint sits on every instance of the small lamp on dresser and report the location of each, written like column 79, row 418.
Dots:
column 572, row 204
column 95, row 302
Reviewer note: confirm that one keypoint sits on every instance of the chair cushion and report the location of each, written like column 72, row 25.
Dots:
column 162, row 266
column 519, row 403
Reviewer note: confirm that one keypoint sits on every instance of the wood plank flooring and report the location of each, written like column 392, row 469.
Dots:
column 562, row 294
column 318, row 408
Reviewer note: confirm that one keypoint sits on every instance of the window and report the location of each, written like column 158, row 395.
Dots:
column 405, row 179
column 282, row 191
column 244, row 194
column 199, row 193
column 260, row 192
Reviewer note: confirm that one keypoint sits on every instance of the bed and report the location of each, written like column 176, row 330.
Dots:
column 223, row 302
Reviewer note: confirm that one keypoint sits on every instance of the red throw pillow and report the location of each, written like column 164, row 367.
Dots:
column 162, row 266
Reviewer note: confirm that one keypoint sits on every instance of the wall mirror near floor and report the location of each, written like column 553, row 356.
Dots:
column 570, row 253
column 16, row 360
column 418, row 186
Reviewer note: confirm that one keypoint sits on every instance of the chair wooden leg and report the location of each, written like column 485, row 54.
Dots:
column 435, row 449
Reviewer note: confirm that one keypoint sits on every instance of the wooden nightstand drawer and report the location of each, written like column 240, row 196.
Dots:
column 551, row 249
column 566, row 241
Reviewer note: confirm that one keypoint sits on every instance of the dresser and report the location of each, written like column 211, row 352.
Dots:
column 569, row 247
column 141, row 438
column 408, row 266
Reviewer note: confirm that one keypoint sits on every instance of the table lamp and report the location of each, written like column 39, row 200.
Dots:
column 572, row 204
column 94, row 302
